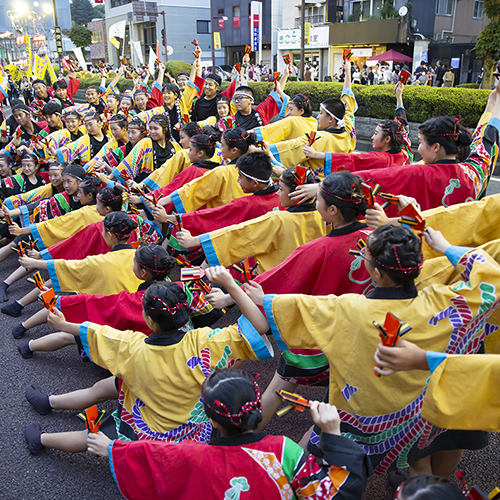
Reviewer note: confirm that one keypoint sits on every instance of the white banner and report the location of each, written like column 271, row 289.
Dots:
column 138, row 51
column 79, row 55
column 117, row 30
column 152, row 59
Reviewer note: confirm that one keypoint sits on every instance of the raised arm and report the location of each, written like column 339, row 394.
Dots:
column 220, row 276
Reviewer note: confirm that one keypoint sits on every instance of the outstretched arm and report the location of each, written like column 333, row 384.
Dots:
column 220, row 276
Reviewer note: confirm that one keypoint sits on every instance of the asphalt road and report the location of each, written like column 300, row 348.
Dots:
column 58, row 475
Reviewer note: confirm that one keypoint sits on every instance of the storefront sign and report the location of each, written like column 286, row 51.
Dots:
column 290, row 38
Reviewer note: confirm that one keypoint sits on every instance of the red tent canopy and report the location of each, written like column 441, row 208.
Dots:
column 390, row 55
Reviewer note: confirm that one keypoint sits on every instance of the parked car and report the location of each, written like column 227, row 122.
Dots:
column 223, row 70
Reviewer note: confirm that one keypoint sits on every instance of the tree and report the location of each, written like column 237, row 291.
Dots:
column 488, row 43
column 99, row 11
column 82, row 12
column 388, row 11
column 80, row 35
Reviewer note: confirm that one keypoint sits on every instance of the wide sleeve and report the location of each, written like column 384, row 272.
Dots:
column 351, row 106
column 138, row 467
column 232, row 244
column 211, row 219
column 77, row 150
column 229, row 92
column 342, row 470
column 187, row 97
column 164, row 175
column 240, row 341
column 55, row 230
column 471, row 224
column 289, row 153
column 140, row 159
column 484, row 153
column 275, row 132
column 400, row 116
column 269, row 107
column 109, row 348
column 299, row 321
column 455, row 401
column 215, row 188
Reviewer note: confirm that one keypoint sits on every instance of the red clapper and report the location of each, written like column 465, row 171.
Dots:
column 195, row 274
column 312, row 137
column 410, row 215
column 296, row 402
column 360, row 244
column 392, row 331
column 93, row 419
column 49, row 299
column 404, row 76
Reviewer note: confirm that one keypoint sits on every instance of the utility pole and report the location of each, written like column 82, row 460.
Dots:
column 56, row 27
column 302, row 38
column 212, row 33
column 165, row 36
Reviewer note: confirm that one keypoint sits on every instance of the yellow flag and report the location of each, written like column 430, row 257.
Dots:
column 39, row 67
column 52, row 74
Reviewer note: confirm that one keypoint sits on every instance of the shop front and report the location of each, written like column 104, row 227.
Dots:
column 317, row 51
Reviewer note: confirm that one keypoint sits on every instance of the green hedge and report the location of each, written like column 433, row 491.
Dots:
column 468, row 86
column 379, row 101
column 123, row 83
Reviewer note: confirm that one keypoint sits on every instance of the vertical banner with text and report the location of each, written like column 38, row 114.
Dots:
column 217, row 44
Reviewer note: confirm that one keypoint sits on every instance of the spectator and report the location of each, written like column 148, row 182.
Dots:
column 421, row 69
column 308, row 74
column 440, row 71
column 371, row 76
column 449, row 78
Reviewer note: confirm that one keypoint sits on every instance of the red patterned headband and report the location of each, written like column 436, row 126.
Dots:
column 235, row 418
column 455, row 134
column 356, row 201
column 172, row 310
column 405, row 270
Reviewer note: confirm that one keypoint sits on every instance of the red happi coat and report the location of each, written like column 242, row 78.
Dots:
column 322, row 266
column 122, row 311
column 365, row 161
column 237, row 211
column 89, row 241
column 445, row 182
column 269, row 467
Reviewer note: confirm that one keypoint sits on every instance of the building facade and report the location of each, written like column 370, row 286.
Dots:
column 144, row 24
column 235, row 31
column 98, row 46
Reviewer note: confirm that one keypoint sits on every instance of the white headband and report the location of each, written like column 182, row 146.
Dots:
column 340, row 121
column 255, row 178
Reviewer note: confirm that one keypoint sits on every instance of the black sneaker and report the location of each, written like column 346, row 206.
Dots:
column 24, row 349
column 38, row 399
column 33, row 435
column 15, row 309
column 18, row 331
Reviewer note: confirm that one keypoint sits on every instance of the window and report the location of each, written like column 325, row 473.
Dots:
column 236, row 11
column 478, row 9
column 444, row 7
column 118, row 3
column 203, row 27
column 220, row 12
column 96, row 36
